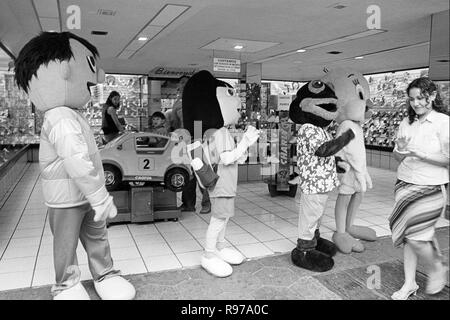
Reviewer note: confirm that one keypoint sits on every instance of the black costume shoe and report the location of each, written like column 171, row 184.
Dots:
column 183, row 208
column 306, row 257
column 324, row 245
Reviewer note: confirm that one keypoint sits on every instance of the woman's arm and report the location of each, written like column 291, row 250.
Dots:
column 437, row 159
column 113, row 114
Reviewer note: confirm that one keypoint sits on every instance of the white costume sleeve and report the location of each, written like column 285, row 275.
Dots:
column 70, row 145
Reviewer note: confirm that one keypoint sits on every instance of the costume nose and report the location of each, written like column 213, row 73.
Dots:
column 100, row 76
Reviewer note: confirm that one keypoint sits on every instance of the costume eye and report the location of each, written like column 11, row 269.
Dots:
column 359, row 91
column 91, row 63
column 316, row 86
column 230, row 92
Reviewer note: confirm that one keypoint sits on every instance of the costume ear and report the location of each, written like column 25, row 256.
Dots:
column 65, row 70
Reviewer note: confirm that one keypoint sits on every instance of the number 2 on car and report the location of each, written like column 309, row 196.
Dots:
column 146, row 164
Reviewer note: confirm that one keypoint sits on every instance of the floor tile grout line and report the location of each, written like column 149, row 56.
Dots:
column 137, row 247
column 23, row 210
column 11, row 190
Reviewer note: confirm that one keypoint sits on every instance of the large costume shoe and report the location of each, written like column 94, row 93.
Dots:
column 437, row 280
column 77, row 292
column 230, row 256
column 362, row 233
column 307, row 257
column 115, row 288
column 324, row 245
column 216, row 266
column 343, row 241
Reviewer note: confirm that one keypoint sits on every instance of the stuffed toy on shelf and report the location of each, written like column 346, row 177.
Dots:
column 57, row 70
column 209, row 107
column 353, row 101
column 314, row 108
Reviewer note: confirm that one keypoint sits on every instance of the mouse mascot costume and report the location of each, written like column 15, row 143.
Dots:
column 56, row 70
column 209, row 106
column 352, row 91
column 315, row 108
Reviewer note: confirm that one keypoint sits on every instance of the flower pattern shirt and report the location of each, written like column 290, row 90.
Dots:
column 317, row 174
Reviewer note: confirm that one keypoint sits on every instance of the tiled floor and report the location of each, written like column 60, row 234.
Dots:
column 262, row 226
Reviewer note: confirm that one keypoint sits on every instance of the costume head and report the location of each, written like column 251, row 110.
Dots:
column 209, row 100
column 352, row 91
column 57, row 69
column 315, row 103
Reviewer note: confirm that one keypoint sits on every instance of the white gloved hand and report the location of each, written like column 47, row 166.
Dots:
column 251, row 135
column 105, row 210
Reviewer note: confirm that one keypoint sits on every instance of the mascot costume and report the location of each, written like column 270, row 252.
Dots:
column 56, row 70
column 209, row 106
column 352, row 91
column 315, row 108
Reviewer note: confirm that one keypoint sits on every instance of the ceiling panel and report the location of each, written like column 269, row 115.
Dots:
column 290, row 23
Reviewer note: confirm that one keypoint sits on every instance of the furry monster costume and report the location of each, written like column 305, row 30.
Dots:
column 56, row 70
column 314, row 108
column 352, row 91
column 209, row 106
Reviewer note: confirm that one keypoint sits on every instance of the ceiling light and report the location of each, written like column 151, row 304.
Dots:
column 358, row 58
column 301, row 50
column 142, row 38
column 340, row 6
column 167, row 14
column 239, row 47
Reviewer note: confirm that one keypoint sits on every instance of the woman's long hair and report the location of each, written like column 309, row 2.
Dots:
column 109, row 103
column 427, row 88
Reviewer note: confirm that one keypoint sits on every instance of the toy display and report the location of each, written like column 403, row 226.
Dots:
column 314, row 108
column 143, row 157
column 353, row 99
column 56, row 70
column 211, row 105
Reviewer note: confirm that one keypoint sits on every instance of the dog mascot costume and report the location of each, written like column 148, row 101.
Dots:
column 315, row 108
column 352, row 91
column 209, row 106
column 56, row 70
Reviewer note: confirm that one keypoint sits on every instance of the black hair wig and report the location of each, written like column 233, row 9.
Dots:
column 199, row 102
column 321, row 91
column 42, row 49
column 427, row 88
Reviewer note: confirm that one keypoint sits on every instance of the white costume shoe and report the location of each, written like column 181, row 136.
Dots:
column 216, row 266
column 77, row 292
column 230, row 256
column 115, row 288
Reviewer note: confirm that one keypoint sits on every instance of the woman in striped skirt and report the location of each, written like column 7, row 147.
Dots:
column 422, row 148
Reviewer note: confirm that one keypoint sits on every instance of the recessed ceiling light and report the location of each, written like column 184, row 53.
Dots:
column 334, row 52
column 358, row 58
column 301, row 50
column 340, row 6
column 99, row 33
column 239, row 47
column 142, row 38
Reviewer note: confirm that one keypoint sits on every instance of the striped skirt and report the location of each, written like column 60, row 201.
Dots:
column 417, row 209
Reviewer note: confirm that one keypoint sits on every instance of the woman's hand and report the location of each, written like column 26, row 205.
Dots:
column 402, row 143
column 415, row 152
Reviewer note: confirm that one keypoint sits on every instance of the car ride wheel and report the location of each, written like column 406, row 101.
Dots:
column 176, row 179
column 113, row 178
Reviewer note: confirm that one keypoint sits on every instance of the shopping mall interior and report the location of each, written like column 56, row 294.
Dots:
column 266, row 50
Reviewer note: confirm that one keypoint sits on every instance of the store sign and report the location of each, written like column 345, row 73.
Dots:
column 164, row 72
column 284, row 102
column 227, row 65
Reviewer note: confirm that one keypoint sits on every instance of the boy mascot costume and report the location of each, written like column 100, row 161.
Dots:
column 56, row 70
column 315, row 108
column 352, row 91
column 209, row 106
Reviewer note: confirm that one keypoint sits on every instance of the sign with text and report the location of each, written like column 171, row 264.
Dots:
column 284, row 102
column 227, row 65
column 166, row 72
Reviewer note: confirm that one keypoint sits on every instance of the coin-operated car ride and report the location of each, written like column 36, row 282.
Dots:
column 143, row 157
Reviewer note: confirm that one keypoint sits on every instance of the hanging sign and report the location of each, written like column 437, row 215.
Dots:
column 165, row 72
column 284, row 102
column 227, row 65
